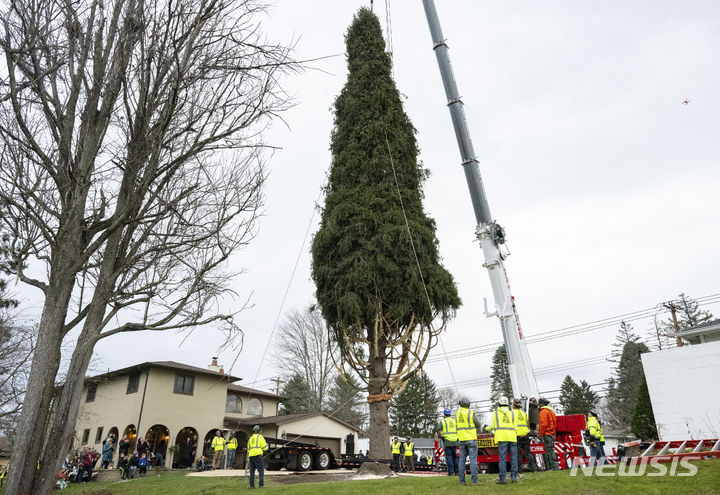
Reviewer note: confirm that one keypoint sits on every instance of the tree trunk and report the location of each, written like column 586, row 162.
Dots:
column 379, row 424
column 64, row 415
column 40, row 389
column 66, row 408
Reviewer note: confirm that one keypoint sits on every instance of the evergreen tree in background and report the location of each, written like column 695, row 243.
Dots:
column 414, row 412
column 643, row 419
column 297, row 397
column 346, row 401
column 577, row 398
column 375, row 261
column 688, row 313
column 627, row 376
column 500, row 383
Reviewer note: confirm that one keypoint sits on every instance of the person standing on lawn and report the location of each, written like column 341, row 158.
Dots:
column 218, row 448
column 448, row 431
column 396, row 447
column 503, row 425
column 467, row 428
column 523, row 437
column 409, row 455
column 256, row 447
column 231, row 448
column 548, row 420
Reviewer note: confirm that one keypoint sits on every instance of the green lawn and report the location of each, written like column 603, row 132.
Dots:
column 707, row 481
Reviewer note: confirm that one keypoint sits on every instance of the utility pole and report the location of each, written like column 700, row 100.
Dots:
column 277, row 381
column 673, row 311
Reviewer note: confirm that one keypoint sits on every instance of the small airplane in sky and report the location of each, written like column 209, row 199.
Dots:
column 686, row 101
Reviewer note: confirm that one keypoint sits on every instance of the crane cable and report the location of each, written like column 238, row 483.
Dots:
column 412, row 244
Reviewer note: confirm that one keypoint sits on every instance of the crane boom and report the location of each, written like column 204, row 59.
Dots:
column 488, row 232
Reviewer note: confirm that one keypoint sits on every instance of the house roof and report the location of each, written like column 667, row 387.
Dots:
column 283, row 419
column 169, row 365
column 251, row 391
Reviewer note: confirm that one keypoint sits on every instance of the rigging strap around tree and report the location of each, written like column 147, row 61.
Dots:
column 378, row 398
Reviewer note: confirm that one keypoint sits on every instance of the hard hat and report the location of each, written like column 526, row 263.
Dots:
column 465, row 402
column 544, row 401
column 592, row 412
column 446, row 411
column 217, row 432
column 502, row 400
column 256, row 428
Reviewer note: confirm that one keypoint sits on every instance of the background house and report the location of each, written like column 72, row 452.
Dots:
column 169, row 402
column 685, row 400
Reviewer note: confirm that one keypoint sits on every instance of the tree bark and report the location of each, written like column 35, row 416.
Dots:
column 379, row 423
column 41, row 384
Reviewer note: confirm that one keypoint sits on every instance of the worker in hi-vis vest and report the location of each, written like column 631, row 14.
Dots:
column 597, row 439
column 256, row 447
column 467, row 428
column 448, row 432
column 409, row 447
column 218, row 448
column 523, row 436
column 231, row 447
column 396, row 453
column 503, row 424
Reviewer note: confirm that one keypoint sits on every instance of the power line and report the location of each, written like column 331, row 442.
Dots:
column 565, row 331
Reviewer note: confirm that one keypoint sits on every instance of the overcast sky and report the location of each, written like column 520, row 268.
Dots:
column 607, row 185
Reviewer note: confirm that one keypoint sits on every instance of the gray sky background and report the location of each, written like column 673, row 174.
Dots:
column 607, row 185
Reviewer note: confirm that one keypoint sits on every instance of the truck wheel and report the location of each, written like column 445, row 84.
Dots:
column 304, row 461
column 322, row 460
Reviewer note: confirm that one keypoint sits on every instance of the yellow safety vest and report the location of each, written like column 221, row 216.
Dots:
column 396, row 447
column 522, row 423
column 465, row 425
column 218, row 443
column 409, row 448
column 430, row 461
column 232, row 444
column 449, row 430
column 595, row 429
column 256, row 445
column 503, row 425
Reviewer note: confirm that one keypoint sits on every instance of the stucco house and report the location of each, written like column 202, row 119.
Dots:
column 168, row 402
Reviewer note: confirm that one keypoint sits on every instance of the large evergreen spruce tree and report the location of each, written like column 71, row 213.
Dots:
column 385, row 307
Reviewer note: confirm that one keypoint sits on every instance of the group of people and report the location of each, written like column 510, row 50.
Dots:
column 404, row 455
column 511, row 429
column 80, row 466
column 223, row 451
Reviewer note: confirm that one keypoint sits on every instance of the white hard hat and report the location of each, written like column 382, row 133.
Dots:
column 503, row 401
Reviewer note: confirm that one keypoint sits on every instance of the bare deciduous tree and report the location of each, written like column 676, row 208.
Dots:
column 304, row 348
column 131, row 170
column 16, row 345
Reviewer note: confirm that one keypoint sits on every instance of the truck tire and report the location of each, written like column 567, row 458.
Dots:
column 304, row 461
column 322, row 461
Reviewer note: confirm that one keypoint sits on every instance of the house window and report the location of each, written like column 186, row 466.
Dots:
column 92, row 389
column 86, row 436
column 98, row 435
column 233, row 404
column 255, row 407
column 133, row 383
column 184, row 384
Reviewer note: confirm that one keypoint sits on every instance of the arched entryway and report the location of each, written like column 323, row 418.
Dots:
column 158, row 437
column 241, row 455
column 185, row 448
column 131, row 433
column 113, row 432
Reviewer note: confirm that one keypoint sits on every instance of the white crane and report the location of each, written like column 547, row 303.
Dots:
column 488, row 231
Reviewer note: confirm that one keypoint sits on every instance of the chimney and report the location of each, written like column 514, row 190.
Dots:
column 222, row 369
column 213, row 365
